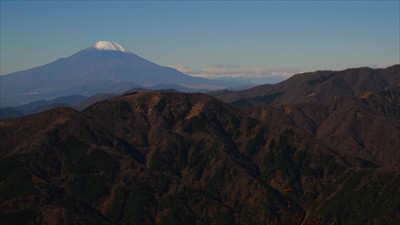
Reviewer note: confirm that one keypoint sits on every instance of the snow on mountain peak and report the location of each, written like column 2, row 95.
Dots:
column 109, row 46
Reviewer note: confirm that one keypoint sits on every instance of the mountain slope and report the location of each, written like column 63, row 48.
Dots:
column 318, row 87
column 355, row 111
column 98, row 69
column 9, row 113
column 358, row 129
column 173, row 158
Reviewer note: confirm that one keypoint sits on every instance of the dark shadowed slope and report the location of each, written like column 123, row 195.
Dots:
column 173, row 158
column 365, row 130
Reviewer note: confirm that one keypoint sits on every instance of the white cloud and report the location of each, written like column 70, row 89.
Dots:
column 381, row 66
column 236, row 71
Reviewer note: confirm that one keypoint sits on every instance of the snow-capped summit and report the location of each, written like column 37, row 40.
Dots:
column 109, row 46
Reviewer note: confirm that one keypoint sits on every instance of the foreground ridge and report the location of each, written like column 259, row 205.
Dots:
column 175, row 158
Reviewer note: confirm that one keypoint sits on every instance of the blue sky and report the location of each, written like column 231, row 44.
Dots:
column 207, row 38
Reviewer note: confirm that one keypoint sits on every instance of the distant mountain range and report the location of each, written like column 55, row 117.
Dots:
column 319, row 148
column 81, row 102
column 106, row 67
column 40, row 106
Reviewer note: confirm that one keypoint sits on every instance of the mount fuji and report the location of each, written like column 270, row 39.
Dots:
column 106, row 66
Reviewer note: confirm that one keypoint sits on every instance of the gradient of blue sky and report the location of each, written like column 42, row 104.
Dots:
column 288, row 35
